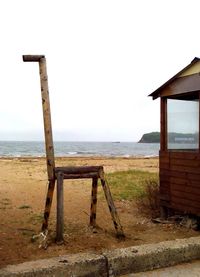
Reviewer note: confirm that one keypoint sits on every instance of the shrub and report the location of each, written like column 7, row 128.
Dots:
column 149, row 203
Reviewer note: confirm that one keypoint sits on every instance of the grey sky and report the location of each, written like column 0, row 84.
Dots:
column 103, row 58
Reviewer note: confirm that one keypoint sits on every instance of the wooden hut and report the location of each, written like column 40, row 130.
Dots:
column 179, row 156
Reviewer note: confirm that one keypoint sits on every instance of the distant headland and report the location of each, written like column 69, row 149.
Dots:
column 153, row 137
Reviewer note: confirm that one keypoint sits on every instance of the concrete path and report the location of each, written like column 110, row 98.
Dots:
column 191, row 269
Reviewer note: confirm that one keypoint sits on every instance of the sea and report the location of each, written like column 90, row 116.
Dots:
column 79, row 149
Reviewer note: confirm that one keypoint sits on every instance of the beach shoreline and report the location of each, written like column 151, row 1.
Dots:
column 110, row 164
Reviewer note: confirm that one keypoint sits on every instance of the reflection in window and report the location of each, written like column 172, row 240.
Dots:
column 183, row 124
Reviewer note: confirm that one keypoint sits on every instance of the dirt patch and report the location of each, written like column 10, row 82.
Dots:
column 23, row 186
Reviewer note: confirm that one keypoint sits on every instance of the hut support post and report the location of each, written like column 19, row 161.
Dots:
column 163, row 124
column 163, row 212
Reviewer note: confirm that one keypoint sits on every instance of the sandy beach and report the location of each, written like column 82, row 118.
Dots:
column 23, row 187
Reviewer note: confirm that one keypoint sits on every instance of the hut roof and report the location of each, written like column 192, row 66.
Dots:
column 157, row 93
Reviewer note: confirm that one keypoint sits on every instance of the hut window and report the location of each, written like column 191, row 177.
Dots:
column 183, row 124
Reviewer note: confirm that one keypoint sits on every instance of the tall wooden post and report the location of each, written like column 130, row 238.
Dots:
column 47, row 131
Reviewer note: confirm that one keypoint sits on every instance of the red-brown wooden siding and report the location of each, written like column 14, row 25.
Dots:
column 180, row 181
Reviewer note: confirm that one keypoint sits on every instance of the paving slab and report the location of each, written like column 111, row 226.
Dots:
column 191, row 269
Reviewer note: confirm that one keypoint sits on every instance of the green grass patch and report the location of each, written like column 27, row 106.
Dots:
column 5, row 203
column 129, row 185
column 36, row 218
column 24, row 207
column 26, row 232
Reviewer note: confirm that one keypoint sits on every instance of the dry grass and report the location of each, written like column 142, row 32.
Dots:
column 149, row 203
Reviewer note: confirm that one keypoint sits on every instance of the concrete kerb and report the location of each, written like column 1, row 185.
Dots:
column 111, row 263
column 69, row 265
column 152, row 256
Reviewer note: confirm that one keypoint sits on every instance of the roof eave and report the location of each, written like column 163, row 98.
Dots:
column 155, row 94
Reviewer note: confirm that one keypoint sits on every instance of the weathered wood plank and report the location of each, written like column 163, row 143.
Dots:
column 186, row 84
column 78, row 169
column 81, row 175
column 185, row 182
column 186, row 189
column 164, row 165
column 194, row 183
column 164, row 178
column 164, row 172
column 47, row 119
column 185, row 202
column 48, row 203
column 167, row 175
column 186, row 155
column 164, row 160
column 93, row 202
column 32, row 58
column 194, row 176
column 174, row 154
column 60, row 209
column 165, row 193
column 164, row 154
column 182, row 168
column 111, row 206
column 185, row 162
column 179, row 181
column 165, row 184
column 194, row 197
column 164, row 196
column 182, row 208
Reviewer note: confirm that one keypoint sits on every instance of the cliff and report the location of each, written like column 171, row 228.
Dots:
column 153, row 137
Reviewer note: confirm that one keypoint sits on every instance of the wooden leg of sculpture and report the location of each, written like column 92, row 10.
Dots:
column 93, row 202
column 48, row 203
column 60, row 209
column 111, row 205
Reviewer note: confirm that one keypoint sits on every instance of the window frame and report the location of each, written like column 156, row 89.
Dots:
column 164, row 123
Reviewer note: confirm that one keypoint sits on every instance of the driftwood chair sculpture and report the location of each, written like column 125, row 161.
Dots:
column 60, row 173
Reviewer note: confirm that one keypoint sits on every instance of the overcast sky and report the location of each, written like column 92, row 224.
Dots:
column 103, row 59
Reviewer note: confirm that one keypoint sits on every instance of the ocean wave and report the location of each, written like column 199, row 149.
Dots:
column 72, row 153
column 104, row 149
column 151, row 156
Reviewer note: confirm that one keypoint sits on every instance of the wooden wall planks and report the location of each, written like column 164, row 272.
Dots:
column 180, row 180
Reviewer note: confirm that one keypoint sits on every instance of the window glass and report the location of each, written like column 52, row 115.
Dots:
column 183, row 124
